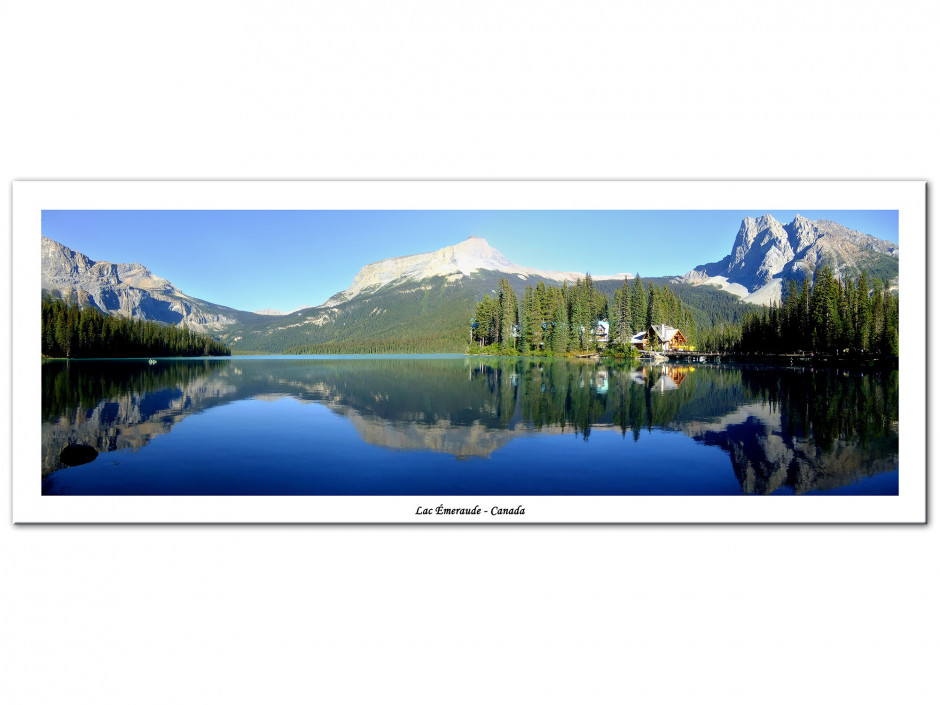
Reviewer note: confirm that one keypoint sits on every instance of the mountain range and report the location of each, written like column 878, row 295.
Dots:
column 452, row 263
column 767, row 253
column 422, row 302
column 129, row 290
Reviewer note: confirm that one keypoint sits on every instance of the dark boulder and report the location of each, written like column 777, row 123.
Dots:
column 77, row 454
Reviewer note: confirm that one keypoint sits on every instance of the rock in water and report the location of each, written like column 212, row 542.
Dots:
column 77, row 454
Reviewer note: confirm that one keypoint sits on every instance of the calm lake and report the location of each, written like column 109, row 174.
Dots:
column 455, row 425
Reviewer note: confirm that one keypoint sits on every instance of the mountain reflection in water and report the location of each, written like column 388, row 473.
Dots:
column 783, row 429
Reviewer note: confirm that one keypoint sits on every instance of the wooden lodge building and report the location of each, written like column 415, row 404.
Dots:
column 661, row 337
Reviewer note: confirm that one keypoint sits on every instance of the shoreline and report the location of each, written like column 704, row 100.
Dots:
column 776, row 359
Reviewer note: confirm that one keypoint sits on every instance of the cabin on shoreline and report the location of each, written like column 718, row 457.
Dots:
column 660, row 338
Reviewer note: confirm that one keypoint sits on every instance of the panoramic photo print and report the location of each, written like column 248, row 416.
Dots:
column 470, row 353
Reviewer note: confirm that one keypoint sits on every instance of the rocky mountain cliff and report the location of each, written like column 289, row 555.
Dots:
column 129, row 290
column 413, row 295
column 766, row 253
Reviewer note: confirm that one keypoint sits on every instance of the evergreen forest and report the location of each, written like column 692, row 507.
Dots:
column 558, row 320
column 823, row 315
column 830, row 316
column 73, row 331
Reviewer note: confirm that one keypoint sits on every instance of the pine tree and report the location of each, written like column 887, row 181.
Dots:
column 850, row 329
column 890, row 335
column 579, row 315
column 876, row 334
column 593, row 302
column 824, row 311
column 622, row 325
column 508, row 314
column 487, row 319
column 844, row 316
column 531, row 322
column 638, row 304
column 791, row 305
column 544, row 301
column 560, row 340
column 654, row 314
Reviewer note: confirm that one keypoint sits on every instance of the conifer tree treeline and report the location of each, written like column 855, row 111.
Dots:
column 564, row 319
column 69, row 330
column 825, row 316
column 829, row 316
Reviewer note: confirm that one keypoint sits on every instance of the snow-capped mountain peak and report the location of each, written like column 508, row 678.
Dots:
column 454, row 261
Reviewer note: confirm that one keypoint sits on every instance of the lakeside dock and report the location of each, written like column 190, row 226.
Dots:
column 775, row 358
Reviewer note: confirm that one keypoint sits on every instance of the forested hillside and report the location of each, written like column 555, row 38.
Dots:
column 829, row 316
column 710, row 306
column 434, row 315
column 427, row 316
column 72, row 331
column 563, row 319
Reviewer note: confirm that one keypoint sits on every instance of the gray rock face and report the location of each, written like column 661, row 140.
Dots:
column 129, row 290
column 766, row 252
column 761, row 250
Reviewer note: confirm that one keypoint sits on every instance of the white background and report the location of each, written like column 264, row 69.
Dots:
column 154, row 614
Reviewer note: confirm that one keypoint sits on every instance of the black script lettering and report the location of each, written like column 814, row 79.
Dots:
column 459, row 510
column 507, row 510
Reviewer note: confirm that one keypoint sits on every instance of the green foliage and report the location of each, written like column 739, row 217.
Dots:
column 508, row 316
column 532, row 333
column 621, row 352
column 638, row 304
column 434, row 310
column 71, row 331
column 829, row 316
column 564, row 319
column 560, row 343
column 621, row 327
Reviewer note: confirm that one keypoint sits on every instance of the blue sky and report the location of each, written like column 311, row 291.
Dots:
column 283, row 260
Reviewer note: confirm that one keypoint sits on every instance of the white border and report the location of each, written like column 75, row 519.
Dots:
column 30, row 198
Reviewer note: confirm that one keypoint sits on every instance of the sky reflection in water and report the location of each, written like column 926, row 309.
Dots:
column 437, row 425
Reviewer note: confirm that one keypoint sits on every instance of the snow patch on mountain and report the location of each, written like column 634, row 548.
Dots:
column 453, row 262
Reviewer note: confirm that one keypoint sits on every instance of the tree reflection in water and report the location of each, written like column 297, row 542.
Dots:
column 797, row 429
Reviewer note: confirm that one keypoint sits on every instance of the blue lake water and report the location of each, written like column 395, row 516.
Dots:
column 456, row 425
